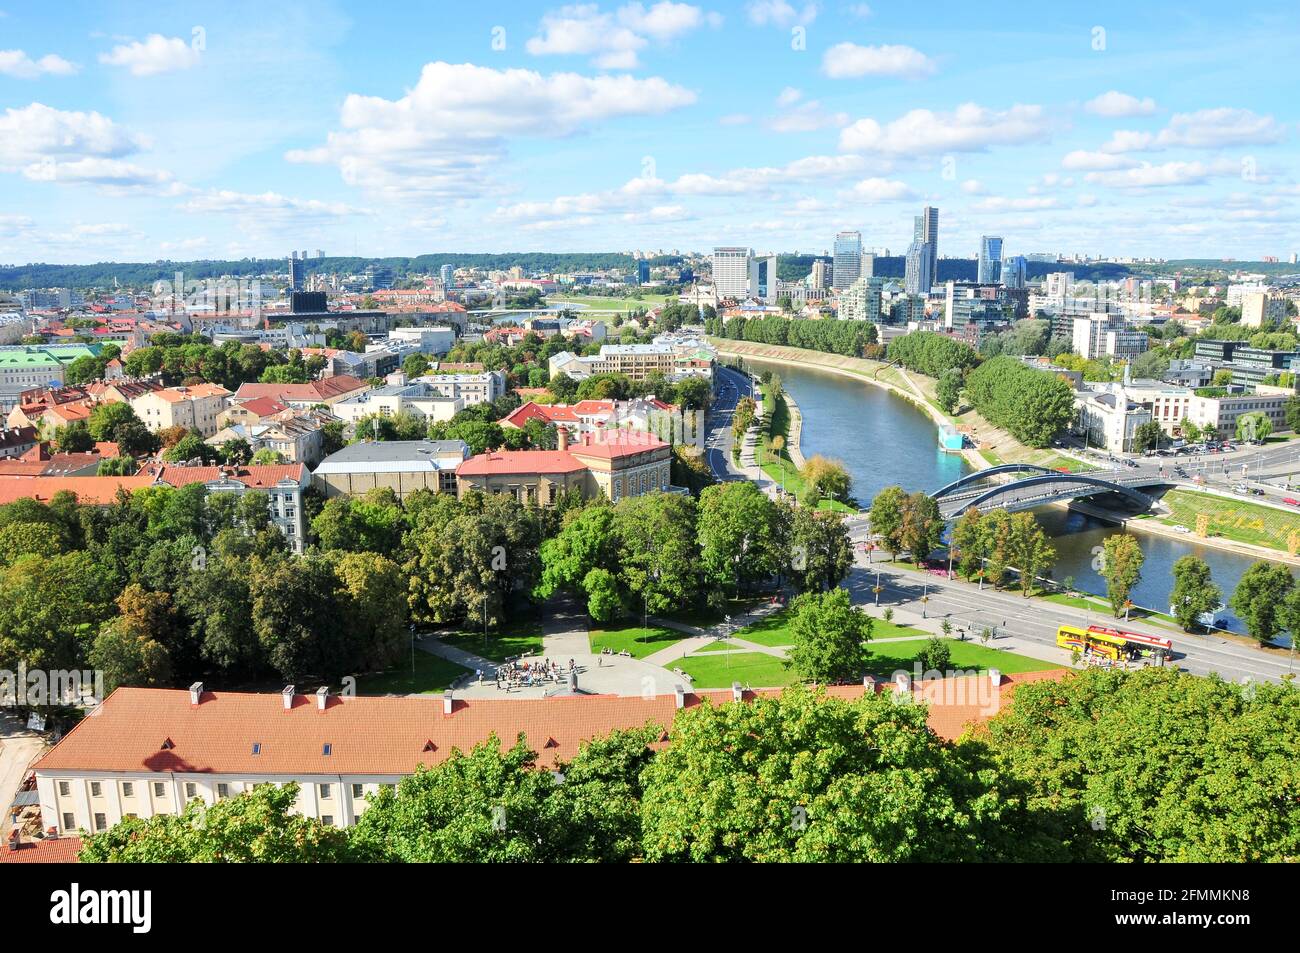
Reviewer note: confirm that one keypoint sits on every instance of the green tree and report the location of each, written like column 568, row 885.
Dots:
column 922, row 526
column 739, row 535
column 1259, row 597
column 886, row 517
column 1147, row 436
column 819, row 551
column 829, row 637
column 1194, row 592
column 948, row 390
column 967, row 543
column 1254, row 427
column 1029, row 550
column 936, row 656
column 1121, row 567
column 258, row 826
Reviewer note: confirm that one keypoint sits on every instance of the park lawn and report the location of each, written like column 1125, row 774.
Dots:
column 779, row 467
column 771, row 631
column 432, row 675
column 602, row 303
column 754, row 669
column 1236, row 520
column 888, row 657
column 880, row 629
column 522, row 637
column 639, row 640
column 724, row 645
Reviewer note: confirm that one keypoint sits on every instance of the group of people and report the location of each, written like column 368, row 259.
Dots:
column 526, row 674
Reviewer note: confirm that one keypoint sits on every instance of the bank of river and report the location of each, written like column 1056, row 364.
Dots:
column 884, row 440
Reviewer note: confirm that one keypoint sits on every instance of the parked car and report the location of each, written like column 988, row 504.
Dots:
column 1241, row 488
column 1256, row 491
column 1289, row 501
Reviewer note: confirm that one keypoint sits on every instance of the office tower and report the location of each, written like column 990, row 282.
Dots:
column 1014, row 272
column 731, row 272
column 643, row 272
column 990, row 263
column 295, row 272
column 868, row 265
column 762, row 278
column 847, row 266
column 320, row 253
column 919, row 268
column 447, row 273
column 925, row 230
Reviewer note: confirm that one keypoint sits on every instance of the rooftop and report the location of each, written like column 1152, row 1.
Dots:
column 392, row 455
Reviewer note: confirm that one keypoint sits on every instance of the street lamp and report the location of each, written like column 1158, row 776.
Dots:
column 877, row 589
column 925, row 598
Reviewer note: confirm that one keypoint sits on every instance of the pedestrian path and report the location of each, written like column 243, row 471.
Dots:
column 435, row 646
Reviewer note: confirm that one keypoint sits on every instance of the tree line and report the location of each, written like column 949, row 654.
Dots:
column 849, row 338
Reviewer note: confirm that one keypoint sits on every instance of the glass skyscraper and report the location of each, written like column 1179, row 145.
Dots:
column 846, row 267
column 990, row 263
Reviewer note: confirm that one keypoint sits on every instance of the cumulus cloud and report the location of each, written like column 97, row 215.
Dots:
column 850, row 61
column 1148, row 175
column 970, row 128
column 155, row 54
column 18, row 65
column 1000, row 203
column 113, row 174
column 806, row 116
column 882, row 190
column 443, row 136
column 35, row 132
column 614, row 40
column 1083, row 160
column 269, row 204
column 779, row 13
column 1115, row 103
column 1204, row 129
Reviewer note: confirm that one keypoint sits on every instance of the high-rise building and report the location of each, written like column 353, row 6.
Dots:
column 1014, row 272
column 990, row 261
column 447, row 273
column 847, row 267
column 818, row 280
column 642, row 272
column 296, row 272
column 731, row 272
column 762, row 278
column 868, row 265
column 860, row 301
column 922, row 263
column 926, row 229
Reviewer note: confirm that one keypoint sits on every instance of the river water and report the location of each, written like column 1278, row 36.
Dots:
column 883, row 440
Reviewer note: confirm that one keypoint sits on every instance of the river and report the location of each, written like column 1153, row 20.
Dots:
column 884, row 440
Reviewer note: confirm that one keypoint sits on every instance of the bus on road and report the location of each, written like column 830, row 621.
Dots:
column 1115, row 644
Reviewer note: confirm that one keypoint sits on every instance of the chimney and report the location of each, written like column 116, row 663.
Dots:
column 901, row 683
column 680, row 694
column 196, row 692
column 562, row 438
column 868, row 685
column 737, row 693
column 995, row 678
column 322, row 696
column 287, row 695
column 448, row 702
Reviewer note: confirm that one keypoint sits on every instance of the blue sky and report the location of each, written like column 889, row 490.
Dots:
column 135, row 132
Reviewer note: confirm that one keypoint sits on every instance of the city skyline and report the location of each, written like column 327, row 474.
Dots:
column 186, row 134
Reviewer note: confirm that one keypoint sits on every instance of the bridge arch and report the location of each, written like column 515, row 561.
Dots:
column 1102, row 486
column 979, row 475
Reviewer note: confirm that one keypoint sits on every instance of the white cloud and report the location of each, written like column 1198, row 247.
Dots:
column 789, row 96
column 1115, row 103
column 444, row 135
column 882, row 190
column 850, row 61
column 807, row 117
column 970, row 128
column 156, row 54
column 973, row 187
column 999, row 203
column 613, row 40
column 271, row 204
column 1204, row 129
column 779, row 13
column 734, row 119
column 35, row 132
column 1147, row 175
column 19, row 65
column 112, row 174
column 859, row 10
column 1082, row 160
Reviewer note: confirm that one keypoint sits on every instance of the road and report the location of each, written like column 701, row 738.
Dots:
column 730, row 387
column 1037, row 620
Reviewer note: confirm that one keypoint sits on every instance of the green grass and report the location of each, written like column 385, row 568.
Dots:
column 721, row 646
column 888, row 657
column 598, row 302
column 523, row 637
column 778, row 465
column 638, row 640
column 771, row 631
column 1236, row 520
column 992, row 458
column 749, row 668
column 880, row 629
column 432, row 675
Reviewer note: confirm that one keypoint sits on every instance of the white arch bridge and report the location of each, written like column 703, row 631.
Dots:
column 1022, row 486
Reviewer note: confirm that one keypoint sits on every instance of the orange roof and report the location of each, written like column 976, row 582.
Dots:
column 324, row 389
column 51, row 850
column 98, row 490
column 502, row 462
column 174, row 395
column 159, row 730
column 615, row 443
column 256, row 477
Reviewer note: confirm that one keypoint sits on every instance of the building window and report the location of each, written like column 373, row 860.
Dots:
column 191, row 790
column 223, row 790
column 128, row 789
column 65, row 789
column 69, row 822
column 358, row 790
column 327, row 819
column 101, row 822
column 324, row 792
column 159, row 789
column 95, row 789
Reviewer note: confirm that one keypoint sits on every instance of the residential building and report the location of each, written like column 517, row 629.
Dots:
column 284, row 485
column 1260, row 308
column 1104, row 334
column 297, row 435
column 16, row 441
column 327, row 391
column 480, row 388
column 194, row 407
column 846, row 265
column 731, row 272
column 860, row 301
column 982, row 305
column 417, row 398
column 402, row 466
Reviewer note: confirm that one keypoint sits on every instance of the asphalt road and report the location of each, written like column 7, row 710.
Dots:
column 1008, row 612
column 730, row 387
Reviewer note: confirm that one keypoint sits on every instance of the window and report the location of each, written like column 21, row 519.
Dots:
column 65, row 789
column 223, row 790
column 128, row 789
column 69, row 822
column 358, row 790
column 327, row 749
column 159, row 789
column 257, row 747
column 327, row 819
column 95, row 789
column 324, row 792
column 191, row 790
column 101, row 822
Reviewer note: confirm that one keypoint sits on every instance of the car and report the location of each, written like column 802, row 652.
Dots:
column 1290, row 501
column 1241, row 488
column 1256, row 491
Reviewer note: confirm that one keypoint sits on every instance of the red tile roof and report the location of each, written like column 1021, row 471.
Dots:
column 263, row 406
column 149, row 729
column 609, row 444
column 257, row 477
column 503, row 462
column 51, row 850
column 98, row 490
column 325, row 389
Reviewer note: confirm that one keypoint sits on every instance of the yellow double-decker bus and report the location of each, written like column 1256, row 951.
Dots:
column 1114, row 644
